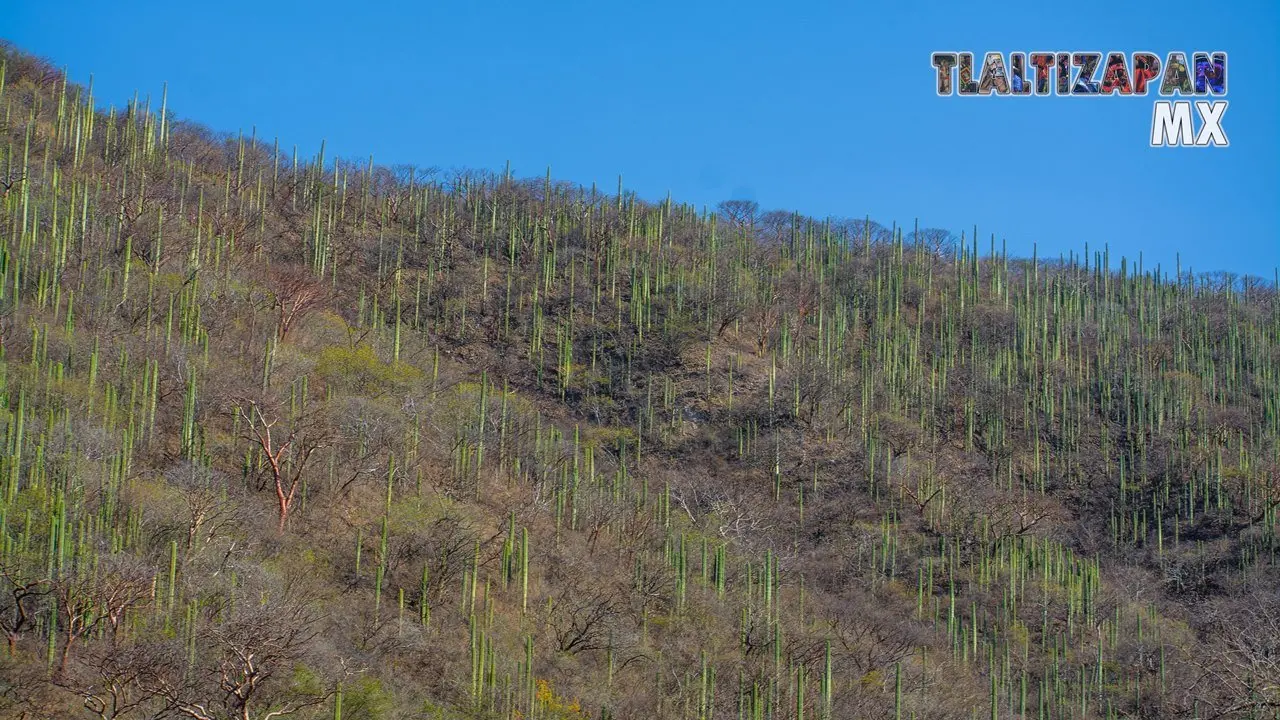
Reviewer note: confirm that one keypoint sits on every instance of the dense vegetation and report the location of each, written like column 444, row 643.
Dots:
column 295, row 436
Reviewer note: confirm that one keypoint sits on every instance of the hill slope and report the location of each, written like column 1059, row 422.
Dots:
column 326, row 439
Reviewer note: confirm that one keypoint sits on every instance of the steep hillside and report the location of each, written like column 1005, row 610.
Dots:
column 296, row 436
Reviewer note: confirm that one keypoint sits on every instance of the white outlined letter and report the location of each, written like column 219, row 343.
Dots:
column 1211, row 132
column 1167, row 117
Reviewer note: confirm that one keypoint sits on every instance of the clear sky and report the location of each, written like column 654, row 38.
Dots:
column 829, row 109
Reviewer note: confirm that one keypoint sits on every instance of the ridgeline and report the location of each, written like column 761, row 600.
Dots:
column 290, row 436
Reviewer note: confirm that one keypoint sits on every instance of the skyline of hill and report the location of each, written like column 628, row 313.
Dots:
column 286, row 436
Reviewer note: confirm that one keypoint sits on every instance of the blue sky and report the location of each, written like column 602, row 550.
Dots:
column 828, row 109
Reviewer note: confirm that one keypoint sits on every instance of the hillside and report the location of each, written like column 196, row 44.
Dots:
column 290, row 436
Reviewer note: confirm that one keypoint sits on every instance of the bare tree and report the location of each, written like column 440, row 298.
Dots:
column 741, row 214
column 9, row 180
column 294, row 294
column 207, row 512
column 248, row 650
column 89, row 599
column 286, row 452
column 112, row 680
column 16, row 614
column 582, row 621
column 935, row 240
column 1240, row 675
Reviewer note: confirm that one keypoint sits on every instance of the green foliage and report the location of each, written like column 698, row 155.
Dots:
column 365, row 699
column 358, row 369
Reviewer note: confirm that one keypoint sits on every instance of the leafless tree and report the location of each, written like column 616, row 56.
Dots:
column 1240, row 676
column 207, row 511
column 112, row 680
column 91, row 599
column 581, row 620
column 294, row 294
column 935, row 240
column 16, row 613
column 286, row 451
column 248, row 650
column 9, row 180
column 741, row 214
